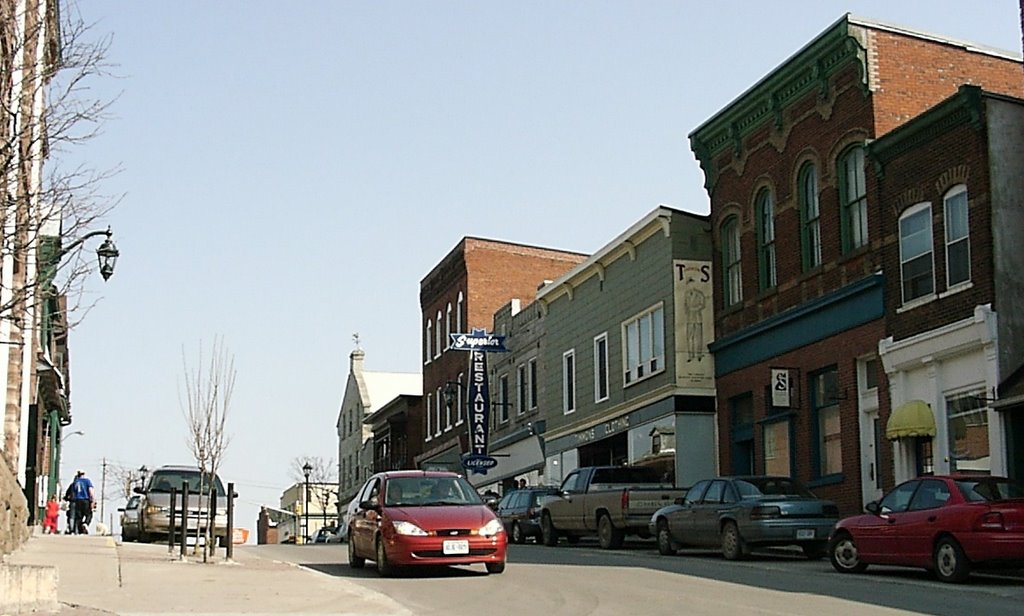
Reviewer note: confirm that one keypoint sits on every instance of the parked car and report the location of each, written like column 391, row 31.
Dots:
column 155, row 503
column 130, row 519
column 324, row 535
column 519, row 512
column 424, row 518
column 608, row 501
column 739, row 513
column 947, row 524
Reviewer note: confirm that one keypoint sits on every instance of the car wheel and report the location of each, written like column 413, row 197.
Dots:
column 842, row 551
column 951, row 564
column 609, row 537
column 665, row 547
column 816, row 550
column 495, row 567
column 384, row 569
column 548, row 534
column 517, row 533
column 732, row 543
column 354, row 561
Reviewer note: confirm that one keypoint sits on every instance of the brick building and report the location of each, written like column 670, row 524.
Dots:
column 462, row 292
column 951, row 182
column 798, row 235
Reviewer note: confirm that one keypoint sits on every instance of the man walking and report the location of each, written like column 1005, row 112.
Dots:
column 83, row 501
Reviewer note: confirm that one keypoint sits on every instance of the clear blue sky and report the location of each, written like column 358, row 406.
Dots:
column 292, row 170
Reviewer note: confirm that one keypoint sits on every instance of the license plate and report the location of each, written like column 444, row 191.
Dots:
column 805, row 533
column 456, row 547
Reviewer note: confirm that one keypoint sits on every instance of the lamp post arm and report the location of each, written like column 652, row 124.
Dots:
column 81, row 240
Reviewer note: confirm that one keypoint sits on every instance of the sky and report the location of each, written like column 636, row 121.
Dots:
column 289, row 172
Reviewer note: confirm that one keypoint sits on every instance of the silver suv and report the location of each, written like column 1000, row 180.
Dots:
column 155, row 504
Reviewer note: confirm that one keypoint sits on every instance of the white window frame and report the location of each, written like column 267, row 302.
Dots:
column 503, row 398
column 854, row 200
column 438, row 403
column 811, row 215
column 522, row 389
column 459, row 413
column 438, row 345
column 429, row 341
column 458, row 314
column 448, row 327
column 637, row 365
column 765, row 208
column 569, row 382
column 731, row 262
column 429, row 415
column 533, row 392
column 952, row 193
column 911, row 212
column 601, row 367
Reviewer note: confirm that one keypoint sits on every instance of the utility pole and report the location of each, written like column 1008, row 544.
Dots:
column 103, row 488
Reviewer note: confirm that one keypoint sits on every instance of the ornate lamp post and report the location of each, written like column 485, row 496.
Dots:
column 143, row 475
column 306, row 470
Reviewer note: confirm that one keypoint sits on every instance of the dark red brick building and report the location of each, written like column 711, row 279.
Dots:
column 798, row 234
column 460, row 293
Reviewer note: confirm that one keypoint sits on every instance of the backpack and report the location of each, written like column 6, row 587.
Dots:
column 69, row 494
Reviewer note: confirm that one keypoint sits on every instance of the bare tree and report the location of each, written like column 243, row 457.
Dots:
column 208, row 386
column 322, row 473
column 50, row 61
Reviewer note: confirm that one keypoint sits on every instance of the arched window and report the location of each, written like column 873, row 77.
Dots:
column 461, row 404
column 916, row 262
column 853, row 199
column 437, row 342
column 732, row 288
column 448, row 327
column 427, row 341
column 765, row 207
column 810, row 216
column 958, row 249
column 458, row 315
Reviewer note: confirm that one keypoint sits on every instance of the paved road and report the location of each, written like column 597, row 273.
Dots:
column 587, row 580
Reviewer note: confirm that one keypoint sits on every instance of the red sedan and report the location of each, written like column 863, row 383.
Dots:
column 423, row 518
column 948, row 524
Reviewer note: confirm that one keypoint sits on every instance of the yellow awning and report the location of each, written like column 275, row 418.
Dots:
column 910, row 419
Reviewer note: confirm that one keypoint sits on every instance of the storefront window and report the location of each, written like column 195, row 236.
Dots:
column 776, row 449
column 968, row 435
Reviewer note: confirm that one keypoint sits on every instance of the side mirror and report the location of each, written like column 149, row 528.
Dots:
column 873, row 508
column 121, row 509
column 368, row 505
column 678, row 500
column 139, row 491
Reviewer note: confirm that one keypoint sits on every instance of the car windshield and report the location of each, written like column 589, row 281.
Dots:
column 430, row 491
column 164, row 481
column 989, row 489
column 756, row 487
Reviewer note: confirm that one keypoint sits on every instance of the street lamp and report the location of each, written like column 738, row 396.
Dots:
column 107, row 253
column 306, row 470
column 70, row 434
column 143, row 474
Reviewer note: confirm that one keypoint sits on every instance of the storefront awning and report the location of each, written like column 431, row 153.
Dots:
column 910, row 419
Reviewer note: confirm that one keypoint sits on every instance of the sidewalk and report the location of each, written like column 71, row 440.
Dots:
column 96, row 575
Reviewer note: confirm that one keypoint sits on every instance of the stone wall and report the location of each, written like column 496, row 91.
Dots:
column 14, row 528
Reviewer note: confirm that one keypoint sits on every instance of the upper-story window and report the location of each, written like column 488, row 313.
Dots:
column 532, row 370
column 643, row 339
column 459, row 418
column 428, row 342
column 958, row 250
column 601, row 367
column 429, row 416
column 503, row 398
column 458, row 314
column 438, row 345
column 438, row 405
column 810, row 217
column 853, row 199
column 569, row 381
column 916, row 263
column 447, row 327
column 765, row 208
column 522, row 389
column 732, row 287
